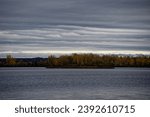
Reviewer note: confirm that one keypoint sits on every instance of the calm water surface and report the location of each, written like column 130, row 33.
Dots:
column 42, row 83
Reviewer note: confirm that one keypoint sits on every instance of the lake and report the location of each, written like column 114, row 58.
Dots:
column 93, row 84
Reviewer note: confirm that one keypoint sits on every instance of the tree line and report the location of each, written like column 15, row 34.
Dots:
column 78, row 61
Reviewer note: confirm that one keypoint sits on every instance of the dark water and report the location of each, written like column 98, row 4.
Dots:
column 42, row 83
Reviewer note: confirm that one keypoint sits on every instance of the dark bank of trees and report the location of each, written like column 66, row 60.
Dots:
column 78, row 61
column 9, row 61
column 97, row 61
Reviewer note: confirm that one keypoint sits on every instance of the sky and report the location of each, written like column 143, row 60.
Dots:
column 38, row 28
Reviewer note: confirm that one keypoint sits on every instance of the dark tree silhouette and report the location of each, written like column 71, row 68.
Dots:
column 78, row 61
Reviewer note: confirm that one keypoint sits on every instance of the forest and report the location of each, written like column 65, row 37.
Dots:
column 78, row 61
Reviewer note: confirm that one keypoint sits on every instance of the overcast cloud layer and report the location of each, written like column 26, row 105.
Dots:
column 40, row 27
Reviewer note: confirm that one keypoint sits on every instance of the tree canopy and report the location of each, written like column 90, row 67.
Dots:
column 78, row 61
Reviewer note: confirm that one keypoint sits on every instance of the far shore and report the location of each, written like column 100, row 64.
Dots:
column 78, row 61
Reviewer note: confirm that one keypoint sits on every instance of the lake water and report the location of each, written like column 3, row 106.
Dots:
column 43, row 83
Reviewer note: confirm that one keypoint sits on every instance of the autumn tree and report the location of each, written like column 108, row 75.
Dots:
column 10, row 61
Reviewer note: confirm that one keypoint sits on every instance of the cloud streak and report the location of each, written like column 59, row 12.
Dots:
column 97, row 26
column 74, row 39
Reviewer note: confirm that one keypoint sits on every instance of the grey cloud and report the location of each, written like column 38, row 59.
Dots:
column 92, row 25
column 61, row 37
column 107, row 13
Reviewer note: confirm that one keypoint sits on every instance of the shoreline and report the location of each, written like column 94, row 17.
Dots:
column 80, row 61
column 70, row 67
